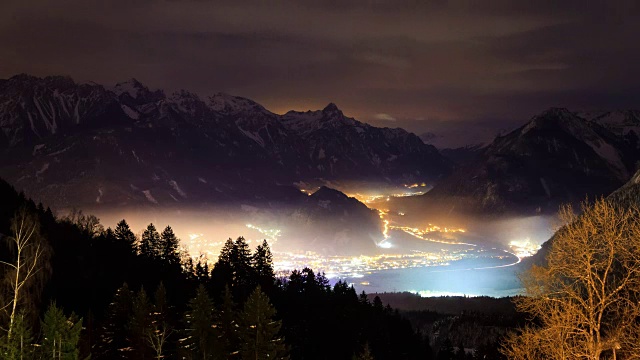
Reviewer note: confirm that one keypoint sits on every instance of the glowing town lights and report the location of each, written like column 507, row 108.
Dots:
column 422, row 235
column 524, row 248
column 357, row 266
column 385, row 245
column 385, row 231
column 270, row 234
column 307, row 192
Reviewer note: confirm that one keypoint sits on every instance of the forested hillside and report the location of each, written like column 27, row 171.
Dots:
column 112, row 295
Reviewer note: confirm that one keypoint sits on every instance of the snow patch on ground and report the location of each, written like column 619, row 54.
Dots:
column 177, row 188
column 325, row 204
column 147, row 194
column 202, row 180
column 321, row 154
column 99, row 198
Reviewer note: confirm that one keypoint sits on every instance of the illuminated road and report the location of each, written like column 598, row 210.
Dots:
column 523, row 248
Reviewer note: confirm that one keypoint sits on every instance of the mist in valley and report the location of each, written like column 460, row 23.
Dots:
column 381, row 247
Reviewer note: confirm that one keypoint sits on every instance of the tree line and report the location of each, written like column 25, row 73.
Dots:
column 106, row 294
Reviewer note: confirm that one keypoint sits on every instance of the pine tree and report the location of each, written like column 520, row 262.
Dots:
column 262, row 262
column 150, row 243
column 225, row 252
column 243, row 276
column 228, row 324
column 170, row 246
column 160, row 306
column 202, row 269
column 259, row 332
column 140, row 323
column 377, row 304
column 20, row 344
column 364, row 300
column 200, row 325
column 114, row 343
column 221, row 275
column 124, row 234
column 61, row 334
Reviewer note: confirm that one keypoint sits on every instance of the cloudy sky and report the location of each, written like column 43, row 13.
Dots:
column 463, row 70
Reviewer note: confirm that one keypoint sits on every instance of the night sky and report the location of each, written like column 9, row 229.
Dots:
column 463, row 70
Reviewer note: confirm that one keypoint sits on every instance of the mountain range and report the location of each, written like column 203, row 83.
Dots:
column 84, row 144
column 71, row 144
column 557, row 157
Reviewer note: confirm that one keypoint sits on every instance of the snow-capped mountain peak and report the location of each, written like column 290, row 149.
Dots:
column 132, row 87
column 142, row 137
column 230, row 105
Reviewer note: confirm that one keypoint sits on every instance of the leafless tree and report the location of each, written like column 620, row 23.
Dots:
column 584, row 303
column 87, row 223
column 157, row 337
column 26, row 266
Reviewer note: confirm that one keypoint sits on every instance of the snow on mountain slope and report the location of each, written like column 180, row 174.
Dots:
column 556, row 157
column 132, row 139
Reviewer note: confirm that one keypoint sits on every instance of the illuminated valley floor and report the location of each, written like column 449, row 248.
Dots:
column 468, row 271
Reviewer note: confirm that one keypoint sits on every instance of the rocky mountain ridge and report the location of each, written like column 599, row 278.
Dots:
column 557, row 157
column 74, row 144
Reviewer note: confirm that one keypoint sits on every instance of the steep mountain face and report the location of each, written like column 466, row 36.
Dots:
column 73, row 144
column 629, row 194
column 556, row 157
column 339, row 146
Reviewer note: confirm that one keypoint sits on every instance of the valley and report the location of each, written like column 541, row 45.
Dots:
column 408, row 254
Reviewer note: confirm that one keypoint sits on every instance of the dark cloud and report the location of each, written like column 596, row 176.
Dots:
column 447, row 67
